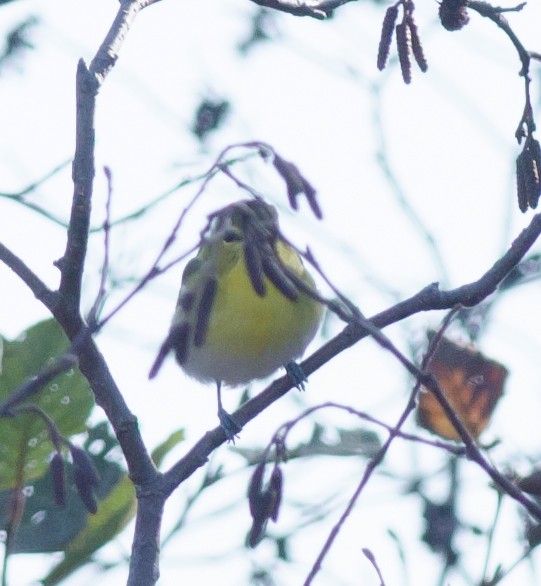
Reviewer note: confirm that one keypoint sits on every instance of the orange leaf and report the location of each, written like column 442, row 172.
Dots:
column 471, row 383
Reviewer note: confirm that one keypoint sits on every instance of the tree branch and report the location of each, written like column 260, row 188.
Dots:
column 88, row 82
column 428, row 299
column 72, row 263
column 65, row 304
column 144, row 563
column 319, row 9
column 35, row 284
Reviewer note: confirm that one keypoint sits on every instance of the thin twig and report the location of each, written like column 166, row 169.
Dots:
column 380, row 455
column 141, row 211
column 155, row 269
column 36, row 383
column 494, row 13
column 490, row 540
column 319, row 9
column 281, row 434
column 72, row 263
column 428, row 299
column 19, row 195
column 372, row 559
column 40, row 290
column 54, row 434
column 100, row 297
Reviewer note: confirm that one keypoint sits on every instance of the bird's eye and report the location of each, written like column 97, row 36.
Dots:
column 232, row 236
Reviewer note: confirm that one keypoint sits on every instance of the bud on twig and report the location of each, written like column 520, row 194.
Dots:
column 453, row 14
column 416, row 46
column 264, row 502
column 386, row 38
column 296, row 184
column 407, row 39
column 56, row 468
column 275, row 489
column 528, row 170
column 85, row 476
column 403, row 42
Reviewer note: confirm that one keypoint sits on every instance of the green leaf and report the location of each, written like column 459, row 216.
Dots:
column 25, row 447
column 46, row 527
column 114, row 513
column 161, row 450
column 351, row 442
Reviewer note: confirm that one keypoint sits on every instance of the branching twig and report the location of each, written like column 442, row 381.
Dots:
column 153, row 488
column 279, row 438
column 72, row 263
column 35, row 284
column 65, row 305
column 108, row 396
column 372, row 559
column 495, row 15
column 102, row 291
column 429, row 298
column 141, row 211
column 155, row 269
column 19, row 196
column 89, row 80
column 379, row 456
column 319, row 9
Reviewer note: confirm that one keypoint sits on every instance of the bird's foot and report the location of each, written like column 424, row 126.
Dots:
column 229, row 425
column 296, row 374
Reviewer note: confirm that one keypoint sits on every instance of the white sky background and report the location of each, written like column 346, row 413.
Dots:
column 449, row 138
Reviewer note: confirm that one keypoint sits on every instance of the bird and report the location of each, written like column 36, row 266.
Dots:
column 247, row 305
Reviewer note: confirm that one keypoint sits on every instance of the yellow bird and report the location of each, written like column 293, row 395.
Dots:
column 247, row 305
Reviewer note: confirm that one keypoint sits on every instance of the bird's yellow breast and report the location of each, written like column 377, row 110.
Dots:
column 250, row 336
